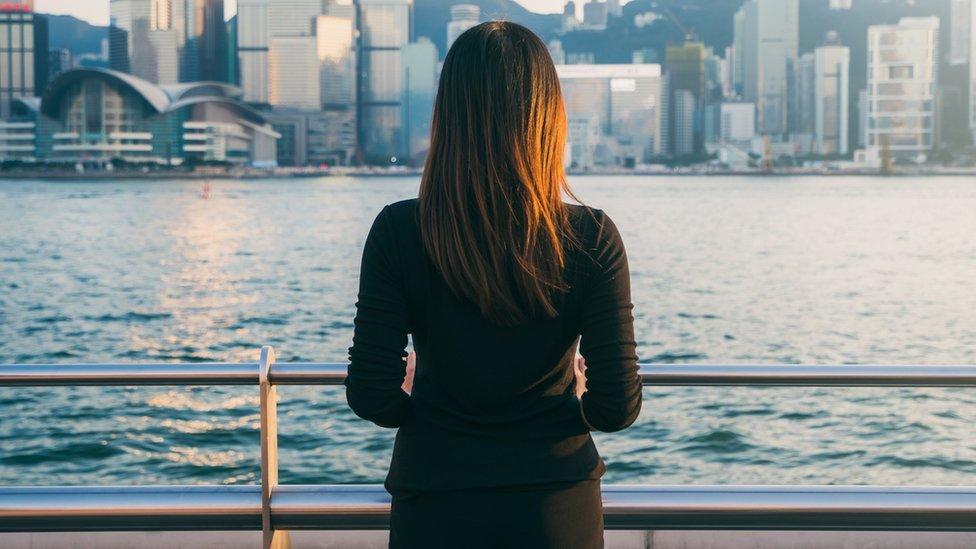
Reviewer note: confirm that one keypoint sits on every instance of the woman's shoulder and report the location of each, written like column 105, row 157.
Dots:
column 401, row 208
column 399, row 214
column 594, row 226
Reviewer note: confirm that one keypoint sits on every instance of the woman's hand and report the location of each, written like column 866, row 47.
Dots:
column 411, row 368
column 579, row 368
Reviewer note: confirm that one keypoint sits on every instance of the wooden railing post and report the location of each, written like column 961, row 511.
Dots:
column 271, row 538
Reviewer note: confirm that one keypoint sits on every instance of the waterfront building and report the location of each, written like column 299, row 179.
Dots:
column 18, row 132
column 902, row 80
column 312, row 138
column 841, row 4
column 24, row 55
column 294, row 73
column 738, row 123
column 644, row 56
column 253, row 43
column 420, row 89
column 627, row 103
column 960, row 27
column 99, row 115
column 767, row 41
column 595, row 15
column 832, row 64
column 463, row 17
column 582, row 58
column 384, row 29
column 685, row 65
column 585, row 147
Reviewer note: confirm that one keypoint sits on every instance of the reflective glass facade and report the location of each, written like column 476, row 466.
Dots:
column 384, row 27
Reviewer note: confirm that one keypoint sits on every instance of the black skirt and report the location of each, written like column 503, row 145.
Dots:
column 566, row 515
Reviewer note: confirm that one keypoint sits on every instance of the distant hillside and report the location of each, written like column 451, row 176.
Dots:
column 430, row 18
column 65, row 31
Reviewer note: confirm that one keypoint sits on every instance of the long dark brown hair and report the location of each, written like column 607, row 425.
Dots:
column 492, row 215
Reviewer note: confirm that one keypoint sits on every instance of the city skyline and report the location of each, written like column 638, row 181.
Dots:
column 96, row 12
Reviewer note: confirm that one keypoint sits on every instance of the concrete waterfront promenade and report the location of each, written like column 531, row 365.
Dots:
column 659, row 539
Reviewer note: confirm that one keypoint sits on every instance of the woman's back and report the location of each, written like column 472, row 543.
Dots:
column 481, row 387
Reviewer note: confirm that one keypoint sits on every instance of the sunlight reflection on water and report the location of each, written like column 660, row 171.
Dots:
column 725, row 270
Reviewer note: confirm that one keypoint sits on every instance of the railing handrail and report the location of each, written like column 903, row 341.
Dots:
column 274, row 509
column 334, row 373
column 367, row 507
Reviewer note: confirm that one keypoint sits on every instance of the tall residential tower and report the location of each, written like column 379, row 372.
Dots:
column 901, row 92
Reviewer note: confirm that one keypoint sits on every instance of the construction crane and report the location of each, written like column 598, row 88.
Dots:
column 689, row 33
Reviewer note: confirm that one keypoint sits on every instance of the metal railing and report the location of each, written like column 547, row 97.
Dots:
column 276, row 509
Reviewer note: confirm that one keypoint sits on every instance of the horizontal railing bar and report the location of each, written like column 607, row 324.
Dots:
column 319, row 373
column 365, row 507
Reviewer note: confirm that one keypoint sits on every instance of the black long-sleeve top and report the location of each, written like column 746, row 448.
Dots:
column 491, row 405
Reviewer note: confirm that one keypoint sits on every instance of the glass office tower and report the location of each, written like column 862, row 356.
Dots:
column 384, row 28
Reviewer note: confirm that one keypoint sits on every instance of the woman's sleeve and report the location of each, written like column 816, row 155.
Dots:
column 612, row 399
column 376, row 358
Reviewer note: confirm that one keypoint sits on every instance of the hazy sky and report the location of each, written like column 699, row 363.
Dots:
column 96, row 11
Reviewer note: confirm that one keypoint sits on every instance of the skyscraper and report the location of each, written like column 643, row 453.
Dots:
column 384, row 28
column 204, row 49
column 617, row 114
column 420, row 88
column 24, row 55
column 294, row 72
column 293, row 17
column 686, row 72
column 253, row 41
column 804, row 98
column 960, row 27
column 767, row 40
column 210, row 34
column 129, row 47
column 595, row 15
column 463, row 17
column 336, row 51
column 972, row 68
column 336, row 39
column 832, row 67
column 165, row 68
column 683, row 111
column 902, row 77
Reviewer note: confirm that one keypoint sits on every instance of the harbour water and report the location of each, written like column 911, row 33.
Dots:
column 725, row 270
